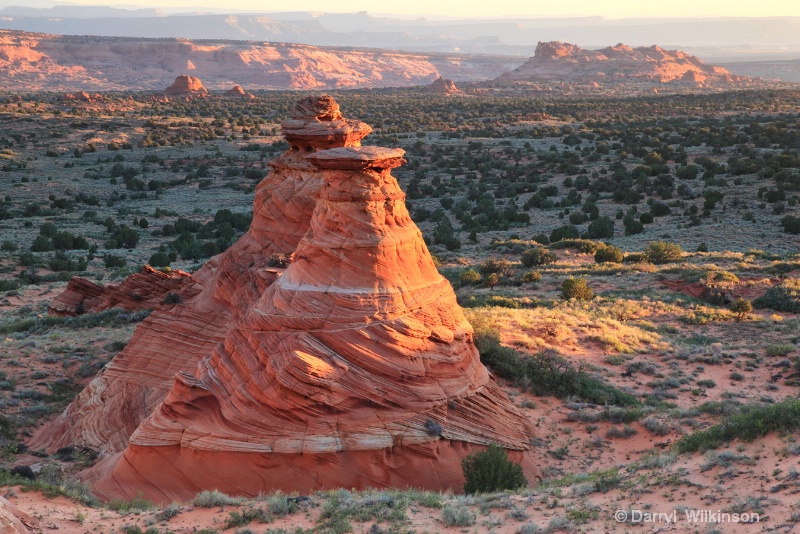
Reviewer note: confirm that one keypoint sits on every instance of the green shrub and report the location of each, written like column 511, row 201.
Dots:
column 564, row 232
column 791, row 224
column 460, row 516
column 531, row 276
column 663, row 252
column 470, row 277
column 632, row 226
column 246, row 516
column 115, row 261
column 138, row 503
column 576, row 288
column 41, row 244
column 586, row 246
column 281, row 505
column 780, row 349
column 537, row 256
column 749, row 423
column 741, row 307
column 601, row 228
column 490, row 471
column 609, row 254
column 545, row 373
column 500, row 266
column 783, row 297
column 160, row 259
column 214, row 498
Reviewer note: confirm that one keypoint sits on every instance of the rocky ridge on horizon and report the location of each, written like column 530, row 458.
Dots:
column 38, row 62
column 558, row 62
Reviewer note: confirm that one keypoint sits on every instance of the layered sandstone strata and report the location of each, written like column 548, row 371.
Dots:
column 355, row 368
column 174, row 339
column 143, row 290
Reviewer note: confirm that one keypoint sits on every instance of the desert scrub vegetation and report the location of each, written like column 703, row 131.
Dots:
column 576, row 288
column 80, row 492
column 782, row 297
column 38, row 325
column 491, row 471
column 613, row 325
column 544, row 373
column 457, row 516
column 659, row 252
column 749, row 422
column 340, row 507
column 214, row 498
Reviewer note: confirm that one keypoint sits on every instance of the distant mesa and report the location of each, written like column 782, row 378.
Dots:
column 186, row 86
column 47, row 62
column 557, row 62
column 443, row 86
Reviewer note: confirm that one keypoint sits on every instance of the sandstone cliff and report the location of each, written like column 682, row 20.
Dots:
column 64, row 63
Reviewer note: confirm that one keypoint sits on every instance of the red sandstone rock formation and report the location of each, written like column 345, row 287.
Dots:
column 564, row 62
column 444, row 87
column 355, row 368
column 144, row 290
column 13, row 521
column 186, row 86
column 174, row 339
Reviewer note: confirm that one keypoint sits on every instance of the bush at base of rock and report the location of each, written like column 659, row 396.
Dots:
column 490, row 471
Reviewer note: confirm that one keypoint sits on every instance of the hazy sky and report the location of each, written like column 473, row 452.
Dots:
column 488, row 8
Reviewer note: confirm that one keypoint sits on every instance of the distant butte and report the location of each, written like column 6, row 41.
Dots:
column 237, row 92
column 186, row 86
column 557, row 62
column 443, row 86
